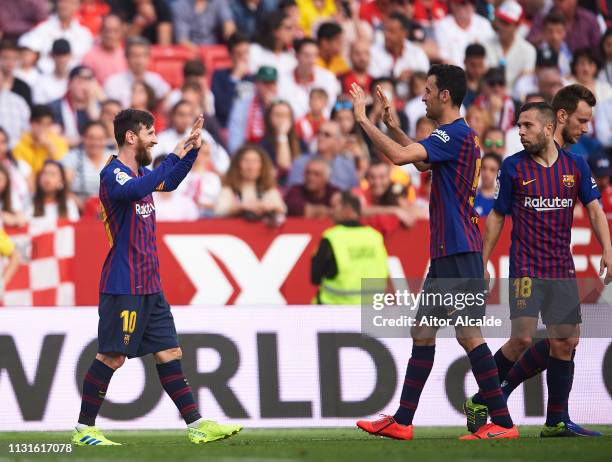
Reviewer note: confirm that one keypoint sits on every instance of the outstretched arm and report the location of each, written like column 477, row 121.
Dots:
column 393, row 151
column 599, row 223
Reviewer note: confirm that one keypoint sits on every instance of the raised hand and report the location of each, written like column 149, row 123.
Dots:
column 193, row 141
column 387, row 116
column 359, row 102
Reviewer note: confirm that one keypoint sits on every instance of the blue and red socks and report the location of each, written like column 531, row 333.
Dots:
column 503, row 367
column 417, row 372
column 559, row 381
column 485, row 372
column 531, row 363
column 95, row 385
column 175, row 384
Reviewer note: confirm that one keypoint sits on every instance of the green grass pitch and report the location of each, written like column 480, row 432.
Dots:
column 333, row 444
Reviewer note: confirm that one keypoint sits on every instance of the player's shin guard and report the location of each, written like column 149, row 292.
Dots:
column 485, row 372
column 175, row 384
column 95, row 385
column 559, row 381
column 531, row 363
column 419, row 367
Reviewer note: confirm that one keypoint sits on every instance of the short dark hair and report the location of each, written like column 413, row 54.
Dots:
column 8, row 44
column 130, row 120
column 178, row 104
column 380, row 80
column 402, row 19
column 136, row 42
column 299, row 44
column 452, row 78
column 328, row 31
column 545, row 110
column 194, row 67
column 492, row 156
column 555, row 17
column 94, row 123
column 475, row 50
column 568, row 98
column 348, row 199
column 236, row 39
column 39, row 112
column 587, row 53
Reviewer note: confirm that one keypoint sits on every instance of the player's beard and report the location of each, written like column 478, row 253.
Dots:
column 538, row 147
column 567, row 137
column 143, row 154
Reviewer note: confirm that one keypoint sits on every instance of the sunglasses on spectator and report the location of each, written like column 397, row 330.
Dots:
column 491, row 143
column 496, row 83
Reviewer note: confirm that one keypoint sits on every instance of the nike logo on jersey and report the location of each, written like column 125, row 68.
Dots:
column 525, row 183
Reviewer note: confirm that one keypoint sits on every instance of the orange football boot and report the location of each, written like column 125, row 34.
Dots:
column 386, row 426
column 493, row 432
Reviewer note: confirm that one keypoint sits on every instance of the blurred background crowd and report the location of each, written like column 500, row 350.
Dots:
column 271, row 77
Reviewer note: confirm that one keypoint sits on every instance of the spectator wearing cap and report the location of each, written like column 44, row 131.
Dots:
column 53, row 85
column 151, row 19
column 247, row 118
column 460, row 28
column 62, row 24
column 583, row 29
column 495, row 99
column 397, row 57
column 475, row 65
column 28, row 70
column 601, row 168
column 248, row 14
column 14, row 113
column 360, row 61
column 272, row 44
column 138, row 53
column 197, row 22
column 227, row 83
column 9, row 58
column 553, row 41
column 330, row 39
column 508, row 49
column 194, row 71
column 295, row 86
column 42, row 142
column 107, row 56
column 78, row 106
column 20, row 16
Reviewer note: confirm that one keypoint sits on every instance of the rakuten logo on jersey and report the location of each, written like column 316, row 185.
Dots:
column 544, row 204
column 145, row 209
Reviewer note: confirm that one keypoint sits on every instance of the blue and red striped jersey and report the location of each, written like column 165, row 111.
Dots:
column 132, row 265
column 454, row 155
column 541, row 202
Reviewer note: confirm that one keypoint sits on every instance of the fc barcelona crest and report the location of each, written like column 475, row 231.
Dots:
column 568, row 181
column 126, row 339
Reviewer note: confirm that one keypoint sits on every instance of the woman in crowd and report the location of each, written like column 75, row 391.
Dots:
column 83, row 165
column 51, row 198
column 585, row 66
column 275, row 39
column 250, row 190
column 17, row 175
column 280, row 139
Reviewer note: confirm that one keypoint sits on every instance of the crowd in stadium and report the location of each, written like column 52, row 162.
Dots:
column 280, row 136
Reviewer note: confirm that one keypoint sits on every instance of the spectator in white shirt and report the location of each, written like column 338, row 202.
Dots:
column 14, row 114
column 138, row 53
column 508, row 48
column 63, row 24
column 182, row 117
column 460, row 28
column 28, row 58
column 173, row 205
column 53, row 85
column 398, row 57
column 51, row 198
column 271, row 49
column 295, row 86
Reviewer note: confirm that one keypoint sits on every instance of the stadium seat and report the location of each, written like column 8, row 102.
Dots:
column 214, row 57
column 168, row 60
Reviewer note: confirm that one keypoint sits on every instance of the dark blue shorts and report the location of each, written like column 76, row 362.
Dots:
column 135, row 325
column 558, row 300
column 454, row 286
